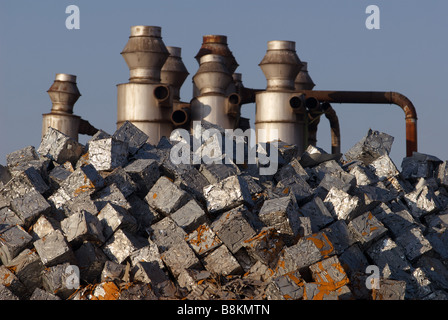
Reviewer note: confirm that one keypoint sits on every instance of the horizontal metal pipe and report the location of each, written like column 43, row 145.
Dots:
column 375, row 97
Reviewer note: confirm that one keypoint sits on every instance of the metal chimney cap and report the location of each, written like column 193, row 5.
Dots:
column 281, row 45
column 174, row 51
column 65, row 77
column 214, row 38
column 146, row 31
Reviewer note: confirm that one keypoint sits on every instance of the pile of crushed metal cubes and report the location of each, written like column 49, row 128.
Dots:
column 116, row 219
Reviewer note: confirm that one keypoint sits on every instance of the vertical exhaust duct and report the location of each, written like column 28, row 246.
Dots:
column 63, row 94
column 145, row 101
column 213, row 104
column 279, row 110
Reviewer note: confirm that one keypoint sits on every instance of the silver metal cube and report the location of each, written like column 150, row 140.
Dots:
column 59, row 147
column 166, row 197
column 108, row 154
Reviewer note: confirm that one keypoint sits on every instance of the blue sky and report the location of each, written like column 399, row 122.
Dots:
column 407, row 54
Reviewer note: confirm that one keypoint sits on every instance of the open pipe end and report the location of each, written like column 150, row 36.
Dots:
column 180, row 117
column 297, row 103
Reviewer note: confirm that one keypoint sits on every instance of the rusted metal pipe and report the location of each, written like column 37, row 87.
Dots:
column 375, row 97
column 330, row 114
column 313, row 114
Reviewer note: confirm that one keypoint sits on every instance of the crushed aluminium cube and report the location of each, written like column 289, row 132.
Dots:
column 367, row 228
column 419, row 165
column 281, row 214
column 389, row 257
column 221, row 261
column 9, row 218
column 329, row 271
column 180, row 256
column 203, row 239
column 142, row 212
column 112, row 271
column 149, row 253
column 91, row 260
column 295, row 257
column 339, row 235
column 57, row 175
column 110, row 194
column 414, row 243
column 390, row 290
column 338, row 179
column 129, row 133
column 364, row 176
column 13, row 240
column 166, row 233
column 291, row 168
column 59, row 147
column 233, row 228
column 144, row 172
column 321, row 291
column 149, row 272
column 56, row 280
column 39, row 294
column 190, row 216
column 6, row 294
column 422, row 200
column 43, row 226
column 82, row 226
column 54, row 249
column 113, row 217
column 84, row 179
column 289, row 286
column 21, row 156
column 122, row 180
column 108, row 154
column 28, row 268
column 216, row 172
column 30, row 206
column 166, row 197
column 340, row 204
column 21, row 183
column 318, row 213
column 10, row 280
column 384, row 167
column 442, row 174
column 121, row 244
column 297, row 186
column 227, row 194
column 265, row 246
column 371, row 147
column 395, row 221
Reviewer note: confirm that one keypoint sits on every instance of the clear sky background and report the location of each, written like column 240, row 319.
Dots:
column 408, row 55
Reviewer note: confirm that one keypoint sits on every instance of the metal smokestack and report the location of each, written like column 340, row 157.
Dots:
column 213, row 104
column 145, row 101
column 174, row 73
column 279, row 110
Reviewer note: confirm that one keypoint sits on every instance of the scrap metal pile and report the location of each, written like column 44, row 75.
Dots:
column 137, row 226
